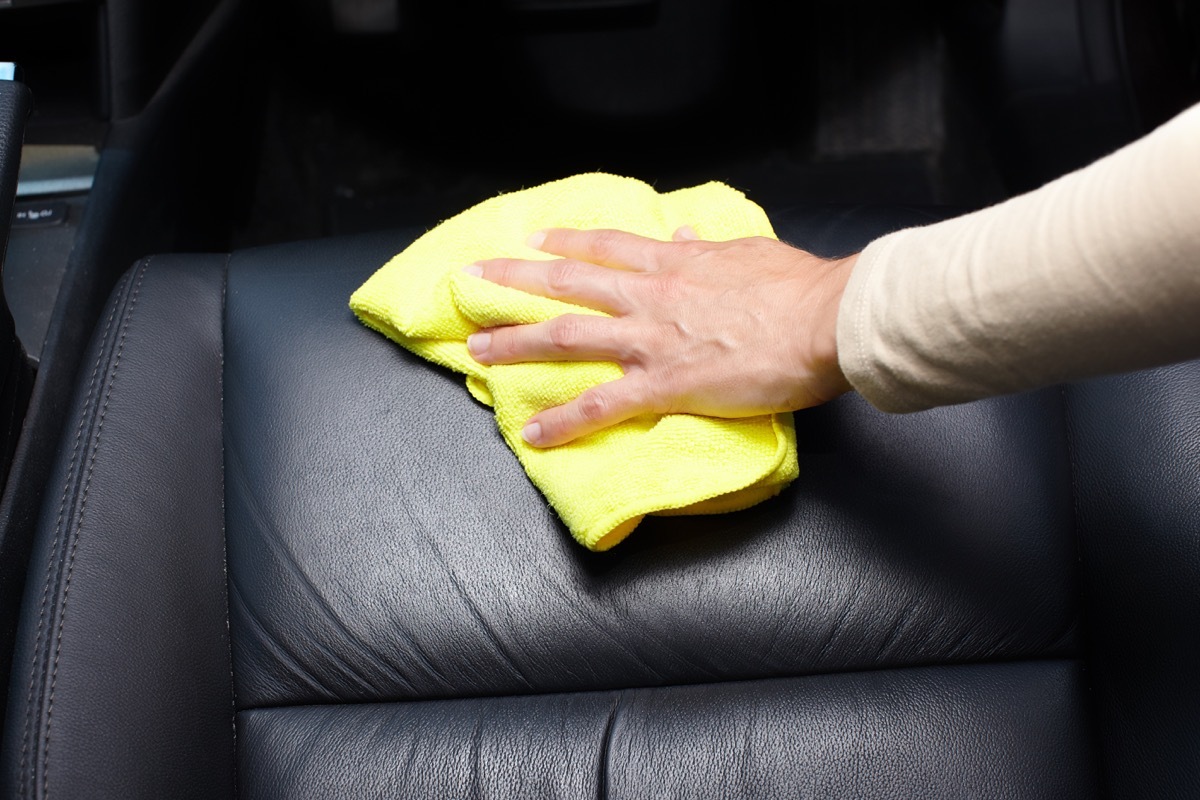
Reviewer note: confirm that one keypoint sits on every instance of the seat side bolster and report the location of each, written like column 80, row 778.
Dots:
column 124, row 626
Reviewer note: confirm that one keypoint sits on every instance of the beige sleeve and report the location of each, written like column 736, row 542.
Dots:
column 1098, row 271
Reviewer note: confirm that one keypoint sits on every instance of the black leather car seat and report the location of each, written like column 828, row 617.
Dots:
column 283, row 558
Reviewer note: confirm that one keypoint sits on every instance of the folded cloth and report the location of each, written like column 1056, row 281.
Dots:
column 602, row 484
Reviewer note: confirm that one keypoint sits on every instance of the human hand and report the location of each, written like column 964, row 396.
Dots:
column 723, row 329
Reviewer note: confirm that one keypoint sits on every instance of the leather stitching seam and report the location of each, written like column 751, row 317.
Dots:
column 27, row 782
column 78, row 524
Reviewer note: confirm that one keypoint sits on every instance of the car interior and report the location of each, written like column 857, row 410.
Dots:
column 250, row 548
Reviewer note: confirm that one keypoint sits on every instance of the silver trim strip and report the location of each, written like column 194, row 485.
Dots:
column 80, row 183
column 56, row 169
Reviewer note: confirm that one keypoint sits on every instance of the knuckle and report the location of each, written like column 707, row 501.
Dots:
column 604, row 244
column 594, row 406
column 664, row 288
column 644, row 345
column 499, row 272
column 503, row 346
column 566, row 332
column 562, row 276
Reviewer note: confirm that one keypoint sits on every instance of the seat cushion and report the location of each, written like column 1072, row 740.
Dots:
column 385, row 544
column 405, row 614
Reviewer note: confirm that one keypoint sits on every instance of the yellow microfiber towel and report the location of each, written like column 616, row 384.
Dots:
column 603, row 484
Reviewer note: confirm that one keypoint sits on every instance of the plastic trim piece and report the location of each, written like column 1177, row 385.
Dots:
column 56, row 169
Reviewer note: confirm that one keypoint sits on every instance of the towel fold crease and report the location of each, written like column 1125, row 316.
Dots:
column 604, row 484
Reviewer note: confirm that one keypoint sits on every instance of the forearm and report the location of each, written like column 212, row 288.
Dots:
column 1096, row 272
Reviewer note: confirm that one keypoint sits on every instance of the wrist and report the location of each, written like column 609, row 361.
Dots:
column 832, row 380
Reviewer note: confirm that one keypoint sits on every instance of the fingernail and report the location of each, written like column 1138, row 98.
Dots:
column 474, row 269
column 478, row 343
column 532, row 432
column 536, row 240
column 687, row 232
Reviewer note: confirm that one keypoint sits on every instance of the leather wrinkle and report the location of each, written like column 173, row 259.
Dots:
column 783, row 619
column 78, row 515
column 456, row 582
column 901, row 619
column 964, row 636
column 276, row 543
column 606, row 747
column 275, row 647
column 608, row 636
column 747, row 726
column 850, row 604
column 602, row 630
column 476, row 760
column 431, row 543
column 269, row 534
column 664, row 645
column 27, row 770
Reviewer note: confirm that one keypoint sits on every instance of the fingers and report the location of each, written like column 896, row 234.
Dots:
column 607, row 248
column 599, row 407
column 580, row 277
column 571, row 337
column 563, row 279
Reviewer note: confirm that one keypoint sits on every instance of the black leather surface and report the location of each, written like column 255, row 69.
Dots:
column 385, row 544
column 1005, row 730
column 121, row 682
column 1137, row 443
